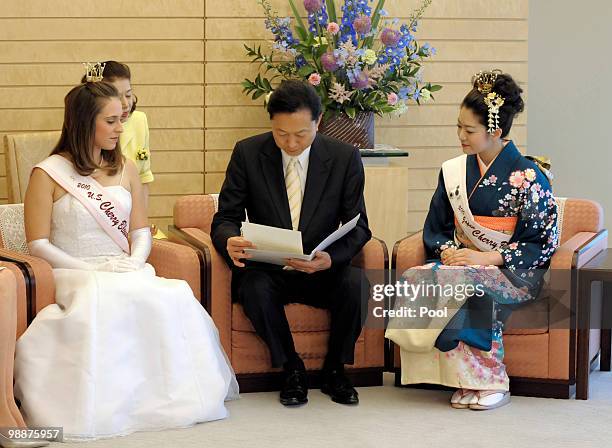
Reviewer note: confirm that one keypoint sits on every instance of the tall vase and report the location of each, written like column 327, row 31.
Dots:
column 358, row 131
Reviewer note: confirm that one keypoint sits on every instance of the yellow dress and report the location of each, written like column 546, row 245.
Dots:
column 134, row 141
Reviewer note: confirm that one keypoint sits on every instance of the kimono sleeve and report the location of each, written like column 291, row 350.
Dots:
column 439, row 228
column 535, row 237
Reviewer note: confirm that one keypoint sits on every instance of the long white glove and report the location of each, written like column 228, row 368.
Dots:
column 140, row 248
column 56, row 257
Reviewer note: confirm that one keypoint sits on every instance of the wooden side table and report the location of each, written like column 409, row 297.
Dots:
column 598, row 269
column 386, row 192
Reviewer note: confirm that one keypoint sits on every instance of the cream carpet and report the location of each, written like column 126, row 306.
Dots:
column 395, row 417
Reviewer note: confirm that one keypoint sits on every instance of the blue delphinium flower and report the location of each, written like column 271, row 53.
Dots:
column 393, row 54
column 428, row 50
column 322, row 16
column 403, row 93
column 283, row 36
column 350, row 11
column 341, row 56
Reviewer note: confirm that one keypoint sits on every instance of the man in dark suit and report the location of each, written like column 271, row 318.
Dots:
column 294, row 178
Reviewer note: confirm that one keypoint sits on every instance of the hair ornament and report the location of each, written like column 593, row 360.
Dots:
column 484, row 82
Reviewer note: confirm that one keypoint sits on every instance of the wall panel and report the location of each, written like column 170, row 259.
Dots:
column 42, row 45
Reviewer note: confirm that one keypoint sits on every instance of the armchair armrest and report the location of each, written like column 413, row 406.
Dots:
column 21, row 302
column 374, row 260
column 10, row 295
column 40, row 285
column 407, row 253
column 579, row 249
column 570, row 256
column 373, row 256
column 179, row 262
column 218, row 276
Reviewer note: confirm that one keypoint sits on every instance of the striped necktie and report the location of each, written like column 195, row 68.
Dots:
column 294, row 192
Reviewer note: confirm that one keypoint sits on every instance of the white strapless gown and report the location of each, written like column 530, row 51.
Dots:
column 118, row 353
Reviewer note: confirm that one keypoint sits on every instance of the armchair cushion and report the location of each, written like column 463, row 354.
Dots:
column 301, row 318
column 12, row 231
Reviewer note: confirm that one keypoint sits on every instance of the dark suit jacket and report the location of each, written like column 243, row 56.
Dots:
column 333, row 194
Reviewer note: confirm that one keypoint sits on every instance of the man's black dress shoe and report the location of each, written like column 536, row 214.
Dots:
column 295, row 389
column 339, row 388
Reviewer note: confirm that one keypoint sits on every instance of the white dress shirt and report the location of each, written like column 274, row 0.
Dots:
column 301, row 165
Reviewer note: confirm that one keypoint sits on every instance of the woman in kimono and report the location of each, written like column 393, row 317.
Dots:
column 492, row 225
column 121, row 350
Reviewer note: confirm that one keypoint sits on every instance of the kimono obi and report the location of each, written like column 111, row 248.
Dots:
column 505, row 224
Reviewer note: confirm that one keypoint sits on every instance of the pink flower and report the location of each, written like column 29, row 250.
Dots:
column 492, row 178
column 314, row 79
column 329, row 62
column 362, row 24
column 390, row 37
column 392, row 99
column 333, row 28
column 516, row 179
column 313, row 6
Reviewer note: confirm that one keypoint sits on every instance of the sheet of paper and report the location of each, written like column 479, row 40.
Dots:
column 275, row 245
column 335, row 236
column 273, row 238
column 272, row 257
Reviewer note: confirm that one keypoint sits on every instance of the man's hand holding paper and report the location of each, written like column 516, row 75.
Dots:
column 236, row 246
column 320, row 262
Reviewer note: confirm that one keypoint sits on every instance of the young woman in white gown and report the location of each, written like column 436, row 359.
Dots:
column 121, row 350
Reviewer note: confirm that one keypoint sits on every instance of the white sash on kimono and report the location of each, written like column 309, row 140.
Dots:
column 106, row 210
column 454, row 172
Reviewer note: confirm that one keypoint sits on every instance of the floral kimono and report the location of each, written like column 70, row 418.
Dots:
column 512, row 199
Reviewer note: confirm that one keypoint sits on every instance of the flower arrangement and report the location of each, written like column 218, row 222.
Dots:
column 360, row 62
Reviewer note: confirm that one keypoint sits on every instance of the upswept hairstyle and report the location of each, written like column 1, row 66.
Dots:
column 513, row 105
column 81, row 107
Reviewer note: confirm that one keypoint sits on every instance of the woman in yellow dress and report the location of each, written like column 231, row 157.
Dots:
column 134, row 140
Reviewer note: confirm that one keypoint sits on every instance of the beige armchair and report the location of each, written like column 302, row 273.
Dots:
column 310, row 326
column 541, row 357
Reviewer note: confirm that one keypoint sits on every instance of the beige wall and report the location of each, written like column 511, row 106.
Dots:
column 188, row 61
